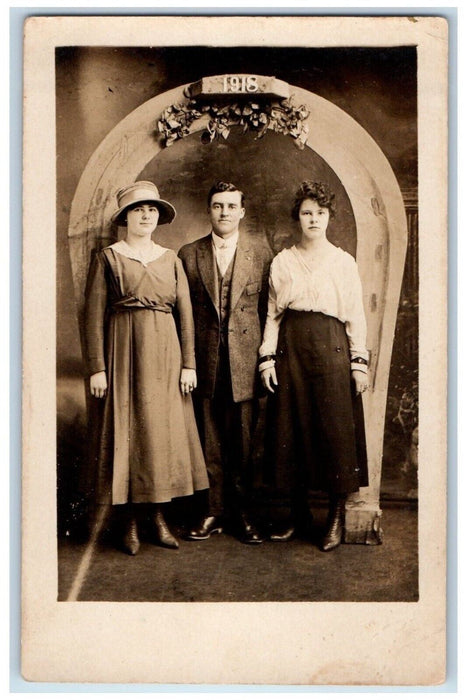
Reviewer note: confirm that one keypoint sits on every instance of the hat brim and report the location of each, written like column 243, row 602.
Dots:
column 167, row 212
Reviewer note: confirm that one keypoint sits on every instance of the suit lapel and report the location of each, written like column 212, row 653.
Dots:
column 241, row 269
column 205, row 260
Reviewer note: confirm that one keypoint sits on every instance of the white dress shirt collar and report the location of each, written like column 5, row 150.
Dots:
column 224, row 250
column 219, row 242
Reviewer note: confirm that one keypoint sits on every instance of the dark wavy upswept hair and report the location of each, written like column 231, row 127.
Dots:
column 221, row 186
column 319, row 191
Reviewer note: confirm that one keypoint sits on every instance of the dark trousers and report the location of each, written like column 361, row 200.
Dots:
column 226, row 430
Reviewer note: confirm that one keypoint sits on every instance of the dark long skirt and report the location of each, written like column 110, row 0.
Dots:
column 318, row 430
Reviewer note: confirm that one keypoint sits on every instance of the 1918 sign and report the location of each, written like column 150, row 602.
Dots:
column 239, row 84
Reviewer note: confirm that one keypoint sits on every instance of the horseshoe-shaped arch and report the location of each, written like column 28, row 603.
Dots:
column 381, row 224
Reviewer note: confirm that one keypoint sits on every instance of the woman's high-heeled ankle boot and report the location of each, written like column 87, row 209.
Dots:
column 130, row 538
column 163, row 534
column 335, row 531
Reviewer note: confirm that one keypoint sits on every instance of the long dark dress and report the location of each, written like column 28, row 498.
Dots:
column 149, row 449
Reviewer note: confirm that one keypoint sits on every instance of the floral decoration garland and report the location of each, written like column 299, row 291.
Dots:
column 282, row 117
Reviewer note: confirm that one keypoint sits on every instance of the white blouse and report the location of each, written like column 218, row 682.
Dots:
column 331, row 286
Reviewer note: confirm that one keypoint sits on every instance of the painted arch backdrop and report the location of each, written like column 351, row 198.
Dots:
column 365, row 183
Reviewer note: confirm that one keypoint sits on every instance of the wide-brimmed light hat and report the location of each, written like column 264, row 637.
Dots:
column 142, row 191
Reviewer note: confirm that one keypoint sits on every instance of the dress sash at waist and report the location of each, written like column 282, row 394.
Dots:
column 130, row 303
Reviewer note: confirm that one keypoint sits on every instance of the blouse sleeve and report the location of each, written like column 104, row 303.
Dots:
column 277, row 279
column 94, row 316
column 185, row 314
column 355, row 324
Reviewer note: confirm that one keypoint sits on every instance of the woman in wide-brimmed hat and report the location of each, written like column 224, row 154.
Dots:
column 142, row 369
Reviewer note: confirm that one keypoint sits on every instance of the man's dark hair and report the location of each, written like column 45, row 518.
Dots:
column 220, row 186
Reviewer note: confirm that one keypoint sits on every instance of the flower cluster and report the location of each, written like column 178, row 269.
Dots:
column 282, row 117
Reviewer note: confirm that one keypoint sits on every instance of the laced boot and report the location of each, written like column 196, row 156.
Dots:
column 130, row 538
column 333, row 536
column 163, row 534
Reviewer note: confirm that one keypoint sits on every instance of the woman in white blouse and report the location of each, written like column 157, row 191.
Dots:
column 314, row 359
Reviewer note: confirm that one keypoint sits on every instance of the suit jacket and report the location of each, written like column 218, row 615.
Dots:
column 248, row 308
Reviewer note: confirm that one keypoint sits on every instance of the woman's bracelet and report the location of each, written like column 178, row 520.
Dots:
column 264, row 358
column 359, row 361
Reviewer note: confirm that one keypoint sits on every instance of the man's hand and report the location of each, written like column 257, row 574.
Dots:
column 98, row 384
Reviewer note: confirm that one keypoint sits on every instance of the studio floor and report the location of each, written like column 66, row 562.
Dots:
column 223, row 569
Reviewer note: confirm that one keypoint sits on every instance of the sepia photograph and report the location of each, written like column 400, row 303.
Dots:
column 234, row 349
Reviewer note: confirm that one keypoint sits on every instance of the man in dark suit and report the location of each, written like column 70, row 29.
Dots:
column 228, row 276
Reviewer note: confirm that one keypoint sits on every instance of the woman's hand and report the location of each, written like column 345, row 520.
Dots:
column 269, row 379
column 361, row 381
column 98, row 384
column 188, row 381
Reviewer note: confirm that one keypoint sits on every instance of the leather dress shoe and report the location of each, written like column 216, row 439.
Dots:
column 283, row 535
column 248, row 534
column 163, row 534
column 301, row 525
column 333, row 536
column 130, row 538
column 210, row 525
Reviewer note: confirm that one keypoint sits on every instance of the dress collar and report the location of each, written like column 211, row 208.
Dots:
column 155, row 251
column 313, row 265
